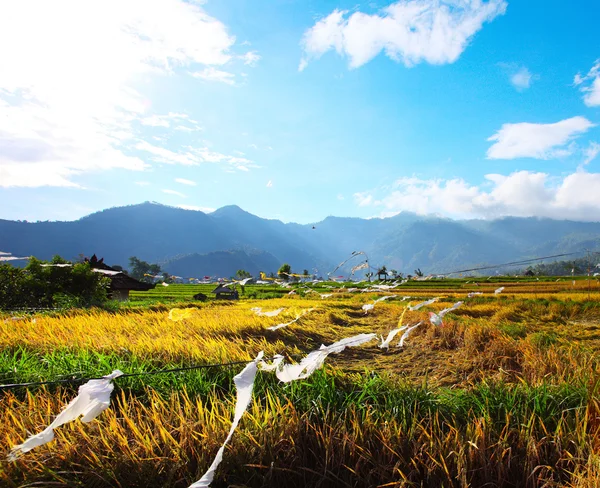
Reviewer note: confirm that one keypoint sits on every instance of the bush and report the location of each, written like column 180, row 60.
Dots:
column 37, row 286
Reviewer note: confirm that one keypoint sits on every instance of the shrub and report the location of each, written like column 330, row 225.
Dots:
column 38, row 286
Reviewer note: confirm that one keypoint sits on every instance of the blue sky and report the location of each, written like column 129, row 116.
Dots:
column 298, row 110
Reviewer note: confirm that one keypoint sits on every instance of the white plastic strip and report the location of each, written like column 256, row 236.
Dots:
column 407, row 333
column 244, row 384
column 298, row 317
column 314, row 360
column 436, row 318
column 423, row 304
column 273, row 313
column 93, row 399
column 385, row 343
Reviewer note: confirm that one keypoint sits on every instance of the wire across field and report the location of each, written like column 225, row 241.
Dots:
column 504, row 393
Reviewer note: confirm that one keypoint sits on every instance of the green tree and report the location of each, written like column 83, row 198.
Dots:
column 284, row 271
column 418, row 272
column 39, row 286
column 139, row 269
column 242, row 273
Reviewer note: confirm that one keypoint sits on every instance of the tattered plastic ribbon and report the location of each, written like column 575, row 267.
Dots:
column 298, row 317
column 244, row 384
column 436, row 318
column 360, row 266
column 501, row 289
column 273, row 313
column 385, row 343
column 92, row 400
column 326, row 295
column 368, row 306
column 423, row 304
column 407, row 333
column 474, row 293
column 371, row 306
column 314, row 360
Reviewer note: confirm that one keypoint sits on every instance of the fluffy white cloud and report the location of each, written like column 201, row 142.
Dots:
column 363, row 199
column 213, row 74
column 193, row 156
column 183, row 181
column 269, row 184
column 156, row 120
column 521, row 80
column 521, row 194
column 70, row 77
column 410, row 31
column 590, row 85
column 163, row 155
column 174, row 192
column 591, row 152
column 540, row 141
column 251, row 58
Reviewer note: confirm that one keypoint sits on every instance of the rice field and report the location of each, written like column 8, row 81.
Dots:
column 503, row 394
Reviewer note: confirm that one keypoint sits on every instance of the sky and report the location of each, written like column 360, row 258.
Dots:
column 301, row 109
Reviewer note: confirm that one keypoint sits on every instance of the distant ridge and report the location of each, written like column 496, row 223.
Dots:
column 167, row 235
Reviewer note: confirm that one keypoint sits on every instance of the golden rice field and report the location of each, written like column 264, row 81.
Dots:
column 504, row 394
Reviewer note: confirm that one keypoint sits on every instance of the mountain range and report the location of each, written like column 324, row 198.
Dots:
column 191, row 243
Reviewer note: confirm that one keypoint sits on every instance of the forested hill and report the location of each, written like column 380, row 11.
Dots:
column 158, row 233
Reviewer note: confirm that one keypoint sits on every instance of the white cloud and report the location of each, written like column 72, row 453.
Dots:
column 163, row 155
column 340, row 197
column 196, row 208
column 591, row 152
column 269, row 184
column 69, row 90
column 156, row 120
column 183, row 181
column 590, row 85
column 520, row 194
column 363, row 199
column 521, row 80
column 174, row 192
column 213, row 74
column 410, row 31
column 192, row 156
column 251, row 58
column 142, row 183
column 540, row 141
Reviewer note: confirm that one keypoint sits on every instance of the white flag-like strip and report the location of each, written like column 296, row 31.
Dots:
column 423, row 304
column 12, row 258
column 93, row 399
column 273, row 313
column 358, row 267
column 385, row 343
column 313, row 361
column 474, row 293
column 368, row 306
column 436, row 318
column 244, row 384
column 298, row 317
column 499, row 290
column 386, row 287
column 382, row 299
column 407, row 333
